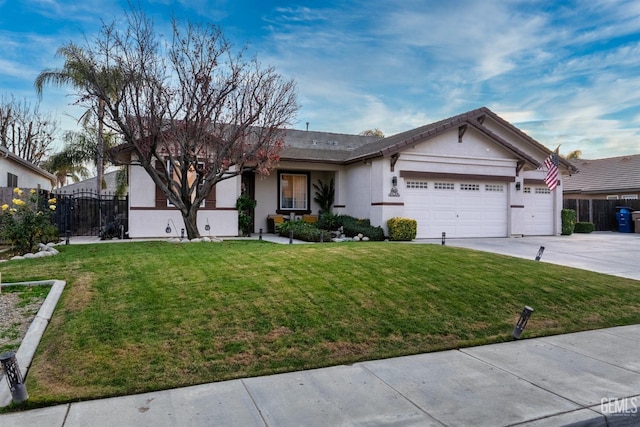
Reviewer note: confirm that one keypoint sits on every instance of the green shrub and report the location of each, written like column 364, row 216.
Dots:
column 568, row 221
column 304, row 231
column 584, row 227
column 353, row 226
column 244, row 205
column 329, row 221
column 403, row 229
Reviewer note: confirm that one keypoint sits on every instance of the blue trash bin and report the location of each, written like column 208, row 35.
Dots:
column 623, row 216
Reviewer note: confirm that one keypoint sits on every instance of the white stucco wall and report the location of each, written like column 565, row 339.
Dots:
column 475, row 155
column 27, row 178
column 358, row 186
column 152, row 223
column 147, row 221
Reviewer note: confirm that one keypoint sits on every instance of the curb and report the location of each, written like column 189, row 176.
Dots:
column 30, row 342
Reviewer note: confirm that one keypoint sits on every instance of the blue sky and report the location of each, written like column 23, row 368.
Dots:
column 565, row 72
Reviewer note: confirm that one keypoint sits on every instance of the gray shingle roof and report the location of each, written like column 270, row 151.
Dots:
column 302, row 145
column 605, row 175
column 340, row 148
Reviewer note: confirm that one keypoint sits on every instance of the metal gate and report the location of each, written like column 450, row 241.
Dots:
column 84, row 213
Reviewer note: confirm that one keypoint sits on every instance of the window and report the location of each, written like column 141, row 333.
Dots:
column 612, row 197
column 12, row 180
column 443, row 186
column 191, row 178
column 499, row 188
column 417, row 184
column 470, row 187
column 294, row 191
column 543, row 190
column 527, row 190
column 629, row 197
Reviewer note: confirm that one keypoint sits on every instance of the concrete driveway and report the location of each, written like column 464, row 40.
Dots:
column 612, row 253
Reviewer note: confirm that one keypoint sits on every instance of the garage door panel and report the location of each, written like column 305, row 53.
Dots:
column 458, row 209
column 538, row 211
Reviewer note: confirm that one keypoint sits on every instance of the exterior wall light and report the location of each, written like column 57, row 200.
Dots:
column 394, row 187
column 518, row 186
column 522, row 322
column 14, row 378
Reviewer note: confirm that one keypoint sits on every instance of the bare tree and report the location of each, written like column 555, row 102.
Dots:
column 191, row 112
column 25, row 130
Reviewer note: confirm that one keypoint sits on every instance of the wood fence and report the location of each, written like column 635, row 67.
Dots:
column 602, row 213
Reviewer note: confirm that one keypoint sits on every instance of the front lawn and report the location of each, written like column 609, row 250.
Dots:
column 136, row 317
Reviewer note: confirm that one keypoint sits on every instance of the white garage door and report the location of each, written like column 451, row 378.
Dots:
column 460, row 209
column 538, row 210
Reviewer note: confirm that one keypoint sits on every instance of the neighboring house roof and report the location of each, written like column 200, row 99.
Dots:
column 91, row 184
column 615, row 174
column 6, row 153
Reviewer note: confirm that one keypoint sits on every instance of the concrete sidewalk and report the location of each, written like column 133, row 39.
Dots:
column 588, row 378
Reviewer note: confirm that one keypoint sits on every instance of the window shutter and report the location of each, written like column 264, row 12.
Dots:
column 210, row 202
column 161, row 199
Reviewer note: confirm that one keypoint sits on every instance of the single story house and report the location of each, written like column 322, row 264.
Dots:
column 471, row 175
column 615, row 178
column 17, row 172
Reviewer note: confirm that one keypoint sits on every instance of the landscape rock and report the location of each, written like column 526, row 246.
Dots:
column 17, row 257
column 365, row 239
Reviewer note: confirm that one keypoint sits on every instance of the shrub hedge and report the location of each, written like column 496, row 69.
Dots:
column 304, row 231
column 568, row 221
column 584, row 227
column 403, row 229
column 353, row 226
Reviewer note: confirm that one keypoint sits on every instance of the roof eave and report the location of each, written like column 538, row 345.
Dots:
column 28, row 165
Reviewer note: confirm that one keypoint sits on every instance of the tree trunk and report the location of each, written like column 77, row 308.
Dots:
column 100, row 151
column 100, row 159
column 191, row 224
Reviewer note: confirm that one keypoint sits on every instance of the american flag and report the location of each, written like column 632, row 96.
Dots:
column 552, row 171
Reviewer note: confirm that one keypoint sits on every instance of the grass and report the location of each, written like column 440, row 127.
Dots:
column 137, row 317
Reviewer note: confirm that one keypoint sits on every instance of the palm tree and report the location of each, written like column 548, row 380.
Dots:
column 79, row 71
column 63, row 165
